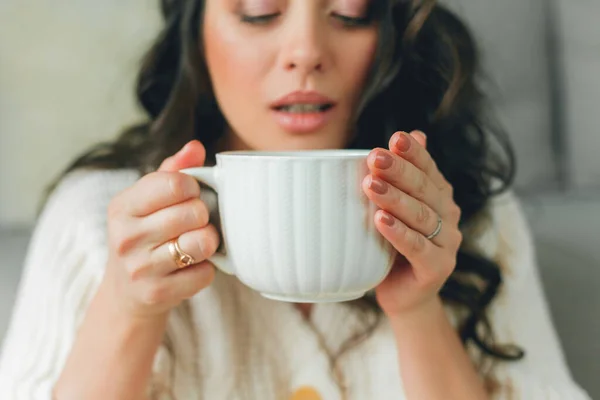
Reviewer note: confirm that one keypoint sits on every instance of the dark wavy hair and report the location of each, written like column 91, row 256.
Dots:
column 425, row 77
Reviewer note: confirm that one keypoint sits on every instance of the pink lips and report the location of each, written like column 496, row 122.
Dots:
column 307, row 121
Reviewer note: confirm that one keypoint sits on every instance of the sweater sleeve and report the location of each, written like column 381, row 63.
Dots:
column 63, row 268
column 520, row 315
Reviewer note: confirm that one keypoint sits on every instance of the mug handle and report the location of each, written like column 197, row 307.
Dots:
column 209, row 176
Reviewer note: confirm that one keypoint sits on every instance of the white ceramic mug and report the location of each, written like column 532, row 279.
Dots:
column 296, row 225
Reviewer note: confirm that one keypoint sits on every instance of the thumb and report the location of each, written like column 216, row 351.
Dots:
column 420, row 137
column 191, row 155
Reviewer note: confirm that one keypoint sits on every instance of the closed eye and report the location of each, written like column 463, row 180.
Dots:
column 352, row 21
column 259, row 19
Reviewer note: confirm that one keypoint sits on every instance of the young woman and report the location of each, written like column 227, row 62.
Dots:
column 105, row 312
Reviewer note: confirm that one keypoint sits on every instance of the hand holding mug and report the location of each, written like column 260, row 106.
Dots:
column 418, row 217
column 160, row 239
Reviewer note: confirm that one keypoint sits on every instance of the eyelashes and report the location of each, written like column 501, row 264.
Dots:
column 354, row 21
column 349, row 13
column 258, row 19
column 265, row 19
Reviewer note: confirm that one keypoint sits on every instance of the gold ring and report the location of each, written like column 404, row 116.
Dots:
column 182, row 259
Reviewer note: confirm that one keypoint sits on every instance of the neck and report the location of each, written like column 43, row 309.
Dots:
column 305, row 309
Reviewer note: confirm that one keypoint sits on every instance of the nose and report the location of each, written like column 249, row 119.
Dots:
column 304, row 49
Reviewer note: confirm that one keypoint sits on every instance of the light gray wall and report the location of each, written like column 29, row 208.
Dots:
column 579, row 23
column 544, row 56
column 66, row 81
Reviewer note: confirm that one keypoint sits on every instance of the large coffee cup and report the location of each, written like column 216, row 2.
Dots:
column 297, row 226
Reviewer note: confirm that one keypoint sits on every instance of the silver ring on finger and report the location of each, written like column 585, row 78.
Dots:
column 438, row 229
column 182, row 259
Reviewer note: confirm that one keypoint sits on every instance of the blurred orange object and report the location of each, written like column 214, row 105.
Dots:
column 306, row 393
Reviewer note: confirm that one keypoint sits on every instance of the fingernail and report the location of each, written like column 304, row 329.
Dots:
column 377, row 185
column 403, row 143
column 386, row 218
column 383, row 160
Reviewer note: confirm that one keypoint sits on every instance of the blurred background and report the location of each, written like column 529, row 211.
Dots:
column 66, row 81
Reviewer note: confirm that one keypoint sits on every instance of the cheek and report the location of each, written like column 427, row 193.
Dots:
column 235, row 68
column 356, row 64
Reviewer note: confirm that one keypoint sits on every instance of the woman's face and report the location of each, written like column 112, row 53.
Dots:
column 288, row 74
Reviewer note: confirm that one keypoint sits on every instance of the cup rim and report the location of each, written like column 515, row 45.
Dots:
column 321, row 154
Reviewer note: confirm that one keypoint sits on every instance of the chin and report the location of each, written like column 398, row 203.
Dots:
column 314, row 141
column 280, row 140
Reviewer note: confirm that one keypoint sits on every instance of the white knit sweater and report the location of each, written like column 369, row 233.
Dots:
column 249, row 347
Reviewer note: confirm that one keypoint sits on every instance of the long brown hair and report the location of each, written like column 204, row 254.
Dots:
column 425, row 77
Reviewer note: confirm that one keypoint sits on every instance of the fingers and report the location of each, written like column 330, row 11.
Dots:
column 420, row 137
column 412, row 212
column 201, row 244
column 178, row 286
column 428, row 261
column 191, row 155
column 414, row 151
column 156, row 191
column 171, row 222
column 144, row 219
column 166, row 187
column 404, row 176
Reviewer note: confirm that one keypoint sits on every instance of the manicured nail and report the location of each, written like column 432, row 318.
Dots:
column 403, row 143
column 383, row 160
column 378, row 186
column 386, row 218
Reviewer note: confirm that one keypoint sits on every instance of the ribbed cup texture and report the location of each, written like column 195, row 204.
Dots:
column 301, row 228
